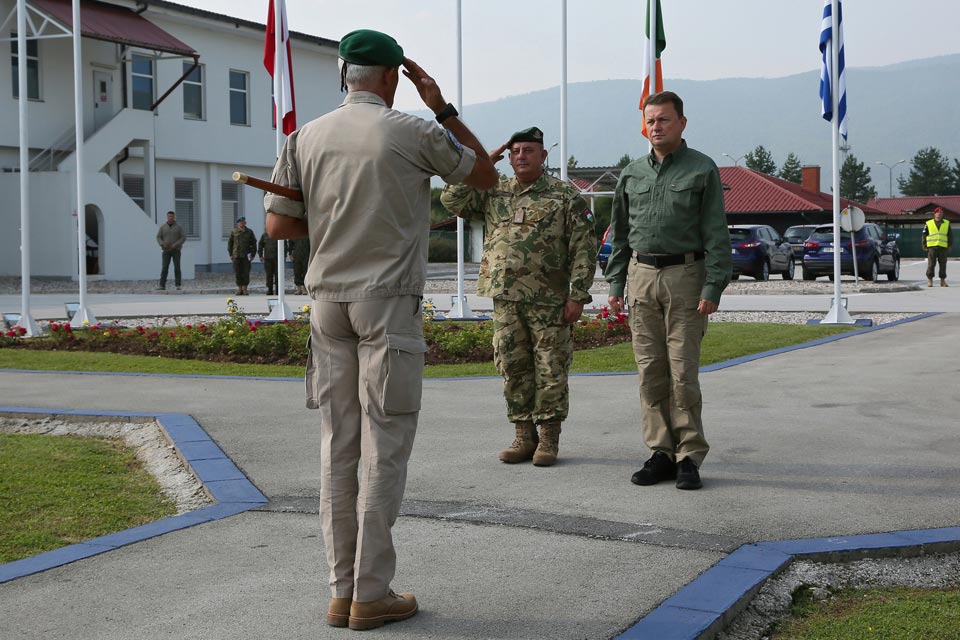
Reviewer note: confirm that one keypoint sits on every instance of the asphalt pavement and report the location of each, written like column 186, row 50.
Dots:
column 817, row 445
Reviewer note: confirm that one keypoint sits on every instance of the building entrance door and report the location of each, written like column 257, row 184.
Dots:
column 102, row 98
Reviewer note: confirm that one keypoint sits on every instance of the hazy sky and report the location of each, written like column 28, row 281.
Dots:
column 514, row 46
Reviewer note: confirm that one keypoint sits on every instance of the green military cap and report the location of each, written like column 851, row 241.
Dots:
column 366, row 47
column 533, row 134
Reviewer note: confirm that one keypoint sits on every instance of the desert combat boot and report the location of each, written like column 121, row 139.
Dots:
column 524, row 444
column 549, row 447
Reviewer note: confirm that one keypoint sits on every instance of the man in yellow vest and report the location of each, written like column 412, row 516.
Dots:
column 937, row 240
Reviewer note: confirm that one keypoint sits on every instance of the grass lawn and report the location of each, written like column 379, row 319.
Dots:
column 59, row 490
column 876, row 614
column 724, row 341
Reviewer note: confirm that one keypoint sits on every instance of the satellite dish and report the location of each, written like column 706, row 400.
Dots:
column 852, row 219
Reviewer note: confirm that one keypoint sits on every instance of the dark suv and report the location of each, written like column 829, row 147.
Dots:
column 796, row 236
column 758, row 251
column 876, row 253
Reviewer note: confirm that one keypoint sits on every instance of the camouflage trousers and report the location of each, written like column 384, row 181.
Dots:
column 532, row 349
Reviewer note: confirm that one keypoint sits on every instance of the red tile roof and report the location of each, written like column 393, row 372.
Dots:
column 115, row 24
column 896, row 206
column 752, row 192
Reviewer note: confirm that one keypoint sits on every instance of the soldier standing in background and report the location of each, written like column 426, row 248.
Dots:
column 242, row 247
column 267, row 250
column 538, row 266
column 170, row 237
column 299, row 250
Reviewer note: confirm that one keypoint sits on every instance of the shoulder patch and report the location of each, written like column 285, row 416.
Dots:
column 588, row 215
column 454, row 141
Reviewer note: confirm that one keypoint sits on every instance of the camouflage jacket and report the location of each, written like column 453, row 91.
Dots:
column 242, row 243
column 267, row 248
column 539, row 243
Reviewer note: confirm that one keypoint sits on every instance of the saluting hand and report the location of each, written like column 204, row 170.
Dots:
column 497, row 154
column 426, row 86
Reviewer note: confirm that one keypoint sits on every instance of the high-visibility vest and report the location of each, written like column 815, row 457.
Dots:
column 937, row 237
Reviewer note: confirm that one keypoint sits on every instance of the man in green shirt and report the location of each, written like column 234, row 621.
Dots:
column 671, row 252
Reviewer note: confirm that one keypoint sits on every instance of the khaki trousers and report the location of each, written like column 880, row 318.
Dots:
column 365, row 375
column 667, row 332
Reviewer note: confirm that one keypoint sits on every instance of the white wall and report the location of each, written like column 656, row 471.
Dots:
column 208, row 150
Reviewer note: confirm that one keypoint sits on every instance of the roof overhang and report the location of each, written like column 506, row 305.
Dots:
column 111, row 23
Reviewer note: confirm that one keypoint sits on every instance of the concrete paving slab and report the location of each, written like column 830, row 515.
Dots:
column 262, row 575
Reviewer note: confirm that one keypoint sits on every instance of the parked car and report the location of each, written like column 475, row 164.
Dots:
column 758, row 250
column 796, row 236
column 876, row 253
column 605, row 248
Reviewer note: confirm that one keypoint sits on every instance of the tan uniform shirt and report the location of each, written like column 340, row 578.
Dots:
column 365, row 172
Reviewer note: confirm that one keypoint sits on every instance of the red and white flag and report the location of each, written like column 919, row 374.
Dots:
column 284, row 101
column 661, row 44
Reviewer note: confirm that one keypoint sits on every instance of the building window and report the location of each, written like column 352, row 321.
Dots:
column 185, row 199
column 33, row 68
column 193, row 92
column 239, row 105
column 230, row 206
column 141, row 75
column 132, row 185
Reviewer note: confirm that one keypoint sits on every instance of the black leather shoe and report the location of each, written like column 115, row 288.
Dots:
column 688, row 477
column 658, row 467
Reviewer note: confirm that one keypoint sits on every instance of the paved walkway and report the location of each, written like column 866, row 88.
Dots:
column 853, row 436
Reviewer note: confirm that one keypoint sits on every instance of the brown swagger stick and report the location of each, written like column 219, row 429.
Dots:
column 266, row 185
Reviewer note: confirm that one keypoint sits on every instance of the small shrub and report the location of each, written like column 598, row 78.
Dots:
column 442, row 250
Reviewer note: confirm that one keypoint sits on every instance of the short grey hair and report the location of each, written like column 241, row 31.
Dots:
column 359, row 75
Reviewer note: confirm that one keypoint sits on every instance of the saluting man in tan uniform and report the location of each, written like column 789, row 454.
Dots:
column 365, row 171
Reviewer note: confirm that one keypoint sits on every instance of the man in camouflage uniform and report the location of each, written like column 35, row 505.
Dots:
column 538, row 266
column 242, row 247
column 299, row 250
column 267, row 250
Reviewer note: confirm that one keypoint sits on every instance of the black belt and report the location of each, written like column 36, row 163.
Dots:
column 661, row 261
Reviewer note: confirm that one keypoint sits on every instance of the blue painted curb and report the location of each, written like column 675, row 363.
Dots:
column 227, row 484
column 709, row 603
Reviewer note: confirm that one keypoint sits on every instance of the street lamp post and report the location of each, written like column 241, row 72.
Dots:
column 890, row 172
column 736, row 161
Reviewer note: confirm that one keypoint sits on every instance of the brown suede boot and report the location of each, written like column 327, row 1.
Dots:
column 338, row 613
column 929, row 282
column 524, row 444
column 943, row 282
column 393, row 607
column 549, row 447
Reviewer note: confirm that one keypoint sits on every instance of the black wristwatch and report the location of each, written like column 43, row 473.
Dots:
column 448, row 111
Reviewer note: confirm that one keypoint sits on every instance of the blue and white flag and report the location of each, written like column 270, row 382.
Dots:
column 826, row 70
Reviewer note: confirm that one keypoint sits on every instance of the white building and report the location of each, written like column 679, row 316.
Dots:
column 160, row 133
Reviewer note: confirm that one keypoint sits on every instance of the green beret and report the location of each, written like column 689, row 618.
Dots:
column 366, row 47
column 533, row 134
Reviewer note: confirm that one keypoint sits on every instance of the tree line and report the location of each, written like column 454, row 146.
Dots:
column 931, row 173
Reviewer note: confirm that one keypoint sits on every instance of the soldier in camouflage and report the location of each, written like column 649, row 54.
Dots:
column 538, row 266
column 267, row 250
column 242, row 247
column 299, row 250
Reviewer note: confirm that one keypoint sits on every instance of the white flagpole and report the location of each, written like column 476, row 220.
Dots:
column 281, row 311
column 838, row 313
column 460, row 308
column 651, row 55
column 26, row 320
column 83, row 316
column 563, row 93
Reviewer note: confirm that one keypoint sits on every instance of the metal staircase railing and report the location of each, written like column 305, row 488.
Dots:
column 51, row 157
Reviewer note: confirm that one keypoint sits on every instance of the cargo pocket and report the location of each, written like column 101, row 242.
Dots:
column 403, row 384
